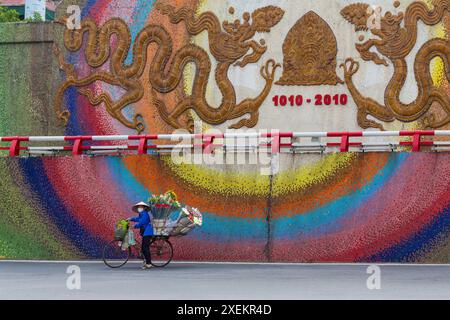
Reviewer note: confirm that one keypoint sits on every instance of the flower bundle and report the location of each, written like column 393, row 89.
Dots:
column 168, row 198
column 164, row 204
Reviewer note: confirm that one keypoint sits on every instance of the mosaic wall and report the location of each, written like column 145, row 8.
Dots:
column 337, row 207
column 346, row 207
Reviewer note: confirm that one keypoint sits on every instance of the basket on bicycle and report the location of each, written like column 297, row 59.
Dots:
column 121, row 230
column 163, row 207
column 180, row 224
column 188, row 219
column 161, row 215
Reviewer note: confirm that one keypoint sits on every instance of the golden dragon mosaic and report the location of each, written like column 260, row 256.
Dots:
column 227, row 46
column 395, row 42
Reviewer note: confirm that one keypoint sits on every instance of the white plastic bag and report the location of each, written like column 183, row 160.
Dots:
column 131, row 238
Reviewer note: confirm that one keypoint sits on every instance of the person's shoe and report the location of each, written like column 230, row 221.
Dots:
column 146, row 266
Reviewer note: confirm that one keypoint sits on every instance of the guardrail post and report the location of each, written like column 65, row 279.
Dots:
column 143, row 145
column 208, row 142
column 14, row 149
column 77, row 148
column 276, row 141
column 345, row 142
column 416, row 142
column 416, row 138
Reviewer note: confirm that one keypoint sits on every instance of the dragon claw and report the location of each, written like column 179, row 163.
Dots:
column 138, row 123
column 64, row 116
column 365, row 123
column 350, row 67
column 269, row 69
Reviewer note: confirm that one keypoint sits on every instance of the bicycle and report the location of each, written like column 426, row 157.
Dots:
column 115, row 255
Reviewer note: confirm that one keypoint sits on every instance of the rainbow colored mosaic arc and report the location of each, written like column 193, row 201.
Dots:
column 357, row 207
column 343, row 207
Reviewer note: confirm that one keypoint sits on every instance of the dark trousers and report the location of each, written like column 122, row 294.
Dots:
column 146, row 248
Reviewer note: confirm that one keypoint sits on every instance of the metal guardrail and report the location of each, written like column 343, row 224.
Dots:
column 273, row 142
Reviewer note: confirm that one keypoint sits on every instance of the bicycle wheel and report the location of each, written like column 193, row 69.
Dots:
column 161, row 252
column 114, row 256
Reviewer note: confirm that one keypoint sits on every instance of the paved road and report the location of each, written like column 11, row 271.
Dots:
column 26, row 280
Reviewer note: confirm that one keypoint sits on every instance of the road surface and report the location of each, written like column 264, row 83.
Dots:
column 48, row 280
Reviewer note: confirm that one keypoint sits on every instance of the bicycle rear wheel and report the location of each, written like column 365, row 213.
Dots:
column 161, row 252
column 114, row 256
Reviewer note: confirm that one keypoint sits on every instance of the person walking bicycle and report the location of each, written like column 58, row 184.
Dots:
column 144, row 224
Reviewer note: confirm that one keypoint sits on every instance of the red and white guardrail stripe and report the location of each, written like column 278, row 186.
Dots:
column 207, row 141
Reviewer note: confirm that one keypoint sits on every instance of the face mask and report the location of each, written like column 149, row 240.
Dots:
column 140, row 209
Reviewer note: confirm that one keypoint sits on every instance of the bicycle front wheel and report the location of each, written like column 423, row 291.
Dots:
column 114, row 256
column 161, row 252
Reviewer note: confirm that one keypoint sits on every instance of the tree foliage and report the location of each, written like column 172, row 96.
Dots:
column 35, row 18
column 8, row 15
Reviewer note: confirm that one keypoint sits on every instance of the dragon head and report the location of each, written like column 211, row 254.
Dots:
column 265, row 18
column 240, row 34
column 365, row 17
column 357, row 14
